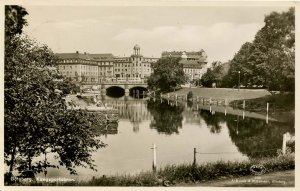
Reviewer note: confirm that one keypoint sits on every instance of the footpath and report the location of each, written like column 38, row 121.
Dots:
column 273, row 179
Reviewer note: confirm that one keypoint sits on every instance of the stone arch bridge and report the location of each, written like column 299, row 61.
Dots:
column 125, row 85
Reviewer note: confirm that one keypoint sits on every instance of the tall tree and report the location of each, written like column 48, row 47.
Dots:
column 270, row 59
column 37, row 121
column 167, row 74
column 275, row 45
column 215, row 74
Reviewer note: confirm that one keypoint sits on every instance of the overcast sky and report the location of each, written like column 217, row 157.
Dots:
column 220, row 31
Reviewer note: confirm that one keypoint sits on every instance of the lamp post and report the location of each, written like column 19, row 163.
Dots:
column 239, row 79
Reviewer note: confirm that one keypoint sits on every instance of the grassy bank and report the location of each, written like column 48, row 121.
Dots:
column 222, row 93
column 282, row 102
column 281, row 106
column 187, row 173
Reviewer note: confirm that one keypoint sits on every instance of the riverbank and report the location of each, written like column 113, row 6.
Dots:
column 223, row 93
column 188, row 174
column 273, row 179
column 281, row 106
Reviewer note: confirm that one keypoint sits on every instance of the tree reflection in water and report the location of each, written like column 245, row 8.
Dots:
column 212, row 120
column 253, row 137
column 167, row 119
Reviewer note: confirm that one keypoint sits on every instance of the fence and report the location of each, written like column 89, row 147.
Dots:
column 198, row 99
column 287, row 137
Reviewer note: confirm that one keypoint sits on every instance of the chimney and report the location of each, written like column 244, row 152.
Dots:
column 84, row 52
column 77, row 52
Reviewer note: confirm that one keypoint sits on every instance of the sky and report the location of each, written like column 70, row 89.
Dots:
column 219, row 31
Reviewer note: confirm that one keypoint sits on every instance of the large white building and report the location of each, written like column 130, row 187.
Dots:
column 96, row 68
column 87, row 67
column 194, row 63
column 133, row 67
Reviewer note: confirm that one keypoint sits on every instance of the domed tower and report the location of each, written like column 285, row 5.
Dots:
column 184, row 56
column 136, row 49
column 203, row 54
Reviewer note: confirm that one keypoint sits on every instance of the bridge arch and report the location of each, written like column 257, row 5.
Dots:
column 115, row 91
column 138, row 91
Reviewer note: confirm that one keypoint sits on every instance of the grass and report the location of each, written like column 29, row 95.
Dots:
column 281, row 106
column 222, row 93
column 188, row 173
column 283, row 102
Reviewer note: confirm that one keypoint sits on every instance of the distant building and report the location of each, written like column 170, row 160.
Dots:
column 86, row 67
column 194, row 63
column 100, row 67
column 133, row 67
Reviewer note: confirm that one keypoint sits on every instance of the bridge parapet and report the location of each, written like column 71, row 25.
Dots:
column 124, row 82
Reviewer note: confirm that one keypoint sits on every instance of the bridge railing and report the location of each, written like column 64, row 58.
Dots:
column 124, row 82
column 116, row 82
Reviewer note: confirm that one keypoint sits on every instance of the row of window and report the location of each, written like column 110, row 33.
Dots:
column 74, row 73
column 136, row 69
column 192, row 70
column 130, row 59
column 85, row 62
column 75, row 66
column 128, row 65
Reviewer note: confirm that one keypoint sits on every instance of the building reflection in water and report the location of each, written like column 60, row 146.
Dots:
column 134, row 110
column 250, row 135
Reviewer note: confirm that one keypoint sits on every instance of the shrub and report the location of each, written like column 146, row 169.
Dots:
column 190, row 95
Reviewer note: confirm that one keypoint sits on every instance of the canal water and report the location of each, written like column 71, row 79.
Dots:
column 176, row 129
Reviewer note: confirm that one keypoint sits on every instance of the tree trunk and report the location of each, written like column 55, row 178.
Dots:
column 11, row 165
column 8, row 176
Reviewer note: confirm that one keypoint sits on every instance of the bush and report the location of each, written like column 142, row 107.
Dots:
column 187, row 173
column 190, row 95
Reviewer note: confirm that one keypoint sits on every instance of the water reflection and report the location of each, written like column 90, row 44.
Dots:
column 134, row 110
column 166, row 118
column 212, row 120
column 108, row 129
column 145, row 121
column 256, row 138
column 253, row 137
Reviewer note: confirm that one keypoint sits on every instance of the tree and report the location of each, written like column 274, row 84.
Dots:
column 208, row 78
column 14, row 20
column 37, row 121
column 167, row 74
column 275, row 45
column 215, row 74
column 244, row 62
column 269, row 60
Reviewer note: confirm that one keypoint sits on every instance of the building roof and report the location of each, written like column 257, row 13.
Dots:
column 136, row 47
column 103, row 57
column 198, row 55
column 184, row 56
column 73, row 55
column 86, row 56
column 192, row 63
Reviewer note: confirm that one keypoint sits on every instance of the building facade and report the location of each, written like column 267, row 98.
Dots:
column 134, row 67
column 97, row 68
column 194, row 63
column 86, row 67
